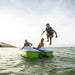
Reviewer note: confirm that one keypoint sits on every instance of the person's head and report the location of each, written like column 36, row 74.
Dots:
column 26, row 41
column 42, row 39
column 47, row 25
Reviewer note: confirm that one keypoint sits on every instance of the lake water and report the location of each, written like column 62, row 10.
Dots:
column 63, row 62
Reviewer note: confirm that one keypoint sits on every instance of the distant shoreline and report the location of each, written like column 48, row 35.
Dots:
column 4, row 45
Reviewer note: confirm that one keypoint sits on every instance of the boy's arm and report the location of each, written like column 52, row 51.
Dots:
column 43, row 32
column 39, row 46
column 23, row 46
column 55, row 32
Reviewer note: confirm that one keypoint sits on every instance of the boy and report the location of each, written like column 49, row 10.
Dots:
column 50, row 33
column 41, row 44
column 26, row 44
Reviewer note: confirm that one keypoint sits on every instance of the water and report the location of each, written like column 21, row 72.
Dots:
column 63, row 63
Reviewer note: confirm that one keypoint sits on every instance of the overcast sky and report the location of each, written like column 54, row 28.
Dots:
column 26, row 19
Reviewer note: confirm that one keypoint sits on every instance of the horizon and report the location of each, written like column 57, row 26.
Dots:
column 26, row 19
column 70, row 45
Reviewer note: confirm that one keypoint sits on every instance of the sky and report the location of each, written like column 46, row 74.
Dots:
column 26, row 19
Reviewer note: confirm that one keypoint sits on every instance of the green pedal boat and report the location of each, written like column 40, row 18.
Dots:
column 29, row 52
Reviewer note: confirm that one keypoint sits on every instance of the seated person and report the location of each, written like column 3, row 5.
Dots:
column 41, row 44
column 26, row 44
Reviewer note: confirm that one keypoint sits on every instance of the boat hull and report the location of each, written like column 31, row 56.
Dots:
column 28, row 52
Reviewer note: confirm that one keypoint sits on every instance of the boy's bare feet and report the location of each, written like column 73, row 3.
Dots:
column 47, row 41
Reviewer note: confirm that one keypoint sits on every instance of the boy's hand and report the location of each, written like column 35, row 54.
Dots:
column 42, row 32
column 56, row 36
column 31, row 44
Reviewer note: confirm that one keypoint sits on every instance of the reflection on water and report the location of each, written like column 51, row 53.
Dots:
column 63, row 63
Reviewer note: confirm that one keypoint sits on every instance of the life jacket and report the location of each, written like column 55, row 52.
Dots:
column 42, row 45
column 49, row 30
column 28, row 44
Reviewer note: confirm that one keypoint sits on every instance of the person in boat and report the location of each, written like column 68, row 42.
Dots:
column 50, row 31
column 26, row 44
column 41, row 44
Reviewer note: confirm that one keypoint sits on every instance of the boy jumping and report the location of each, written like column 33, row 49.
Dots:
column 50, row 33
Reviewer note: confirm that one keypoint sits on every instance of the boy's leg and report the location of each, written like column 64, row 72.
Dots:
column 47, row 37
column 50, row 41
